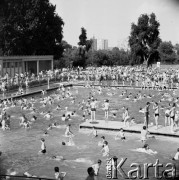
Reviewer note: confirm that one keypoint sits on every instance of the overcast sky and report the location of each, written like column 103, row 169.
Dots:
column 111, row 19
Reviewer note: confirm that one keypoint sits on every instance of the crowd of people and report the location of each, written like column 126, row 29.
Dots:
column 89, row 106
column 124, row 75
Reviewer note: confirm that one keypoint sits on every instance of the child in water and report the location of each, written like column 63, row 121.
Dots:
column 120, row 135
column 105, row 149
column 94, row 132
column 101, row 143
column 176, row 157
column 96, row 167
column 148, row 150
column 68, row 131
column 59, row 175
column 144, row 133
column 43, row 146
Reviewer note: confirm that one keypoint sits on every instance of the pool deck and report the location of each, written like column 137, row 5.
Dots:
column 134, row 128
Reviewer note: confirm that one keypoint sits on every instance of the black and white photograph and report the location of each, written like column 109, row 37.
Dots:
column 89, row 89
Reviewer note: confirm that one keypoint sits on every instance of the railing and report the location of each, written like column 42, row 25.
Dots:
column 3, row 177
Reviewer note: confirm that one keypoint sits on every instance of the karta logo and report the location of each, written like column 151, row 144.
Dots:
column 114, row 168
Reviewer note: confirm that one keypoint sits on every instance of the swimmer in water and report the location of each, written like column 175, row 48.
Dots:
column 126, row 116
column 120, row 135
column 96, row 167
column 105, row 149
column 91, row 174
column 176, row 157
column 57, row 158
column 48, row 115
column 59, row 175
column 101, row 143
column 94, row 132
column 68, row 131
column 63, row 118
column 43, row 146
column 144, row 133
column 148, row 150
column 27, row 174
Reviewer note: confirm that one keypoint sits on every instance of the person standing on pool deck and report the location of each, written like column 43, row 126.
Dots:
column 172, row 117
column 146, row 112
column 106, row 108
column 93, row 110
column 156, row 113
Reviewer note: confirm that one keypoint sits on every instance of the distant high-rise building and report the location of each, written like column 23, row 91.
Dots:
column 99, row 45
column 104, row 44
column 94, row 45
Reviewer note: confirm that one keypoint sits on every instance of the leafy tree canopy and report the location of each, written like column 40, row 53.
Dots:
column 84, row 46
column 82, row 37
column 30, row 27
column 177, row 49
column 166, row 50
column 144, row 39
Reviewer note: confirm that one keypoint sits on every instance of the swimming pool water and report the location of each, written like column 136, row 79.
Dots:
column 20, row 147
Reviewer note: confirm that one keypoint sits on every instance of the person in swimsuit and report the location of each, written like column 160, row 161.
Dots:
column 167, row 117
column 146, row 112
column 68, row 131
column 176, row 157
column 58, row 175
column 156, row 113
column 106, row 108
column 172, row 117
column 96, row 167
column 93, row 110
column 105, row 149
column 120, row 135
column 91, row 174
column 126, row 116
column 94, row 132
column 144, row 133
column 43, row 146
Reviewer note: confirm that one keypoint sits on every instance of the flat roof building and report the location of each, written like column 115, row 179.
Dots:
column 21, row 64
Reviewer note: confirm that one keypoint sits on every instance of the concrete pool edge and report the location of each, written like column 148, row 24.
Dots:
column 36, row 92
column 102, row 126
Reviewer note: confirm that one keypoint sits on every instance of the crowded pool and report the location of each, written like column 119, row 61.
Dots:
column 20, row 146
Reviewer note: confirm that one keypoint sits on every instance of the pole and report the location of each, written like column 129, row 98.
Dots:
column 48, row 83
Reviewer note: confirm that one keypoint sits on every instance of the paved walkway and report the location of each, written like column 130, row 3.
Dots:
column 135, row 128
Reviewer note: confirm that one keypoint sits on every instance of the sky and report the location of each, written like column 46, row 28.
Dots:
column 111, row 19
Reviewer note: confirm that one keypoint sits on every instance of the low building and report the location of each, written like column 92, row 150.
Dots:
column 21, row 64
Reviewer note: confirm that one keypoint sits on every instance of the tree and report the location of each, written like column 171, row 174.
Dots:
column 82, row 42
column 166, row 51
column 65, row 45
column 84, row 46
column 177, row 49
column 31, row 27
column 70, row 58
column 144, row 39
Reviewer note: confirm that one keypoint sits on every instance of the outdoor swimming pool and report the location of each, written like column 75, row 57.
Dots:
column 20, row 147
